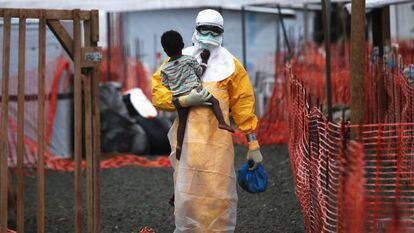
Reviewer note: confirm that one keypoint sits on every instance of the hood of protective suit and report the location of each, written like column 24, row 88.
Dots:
column 221, row 63
column 208, row 17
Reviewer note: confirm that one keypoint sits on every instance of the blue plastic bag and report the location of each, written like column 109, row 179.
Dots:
column 252, row 181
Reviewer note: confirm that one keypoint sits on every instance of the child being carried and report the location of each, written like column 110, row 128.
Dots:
column 181, row 74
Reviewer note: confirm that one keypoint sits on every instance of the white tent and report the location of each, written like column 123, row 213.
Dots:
column 140, row 5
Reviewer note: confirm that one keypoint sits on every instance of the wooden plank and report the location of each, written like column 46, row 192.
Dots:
column 96, row 148
column 87, row 33
column 41, row 125
column 96, row 129
column 357, row 62
column 35, row 97
column 62, row 35
column 50, row 14
column 91, row 56
column 66, row 14
column 88, row 151
column 86, row 83
column 4, row 122
column 78, row 119
column 20, row 122
column 94, row 26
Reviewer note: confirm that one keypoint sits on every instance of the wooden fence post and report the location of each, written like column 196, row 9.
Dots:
column 20, row 121
column 4, row 122
column 86, row 83
column 357, row 61
column 41, row 124
column 78, row 119
column 96, row 136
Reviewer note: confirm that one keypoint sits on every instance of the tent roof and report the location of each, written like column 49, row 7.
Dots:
column 369, row 4
column 139, row 5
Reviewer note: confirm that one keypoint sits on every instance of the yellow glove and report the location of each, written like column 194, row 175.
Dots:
column 254, row 154
column 195, row 98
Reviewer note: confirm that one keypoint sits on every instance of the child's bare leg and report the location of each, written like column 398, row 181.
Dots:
column 182, row 122
column 219, row 115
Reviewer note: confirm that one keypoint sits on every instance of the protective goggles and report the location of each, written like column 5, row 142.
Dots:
column 207, row 29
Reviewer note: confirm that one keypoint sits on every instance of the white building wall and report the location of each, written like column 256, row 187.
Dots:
column 148, row 26
column 402, row 21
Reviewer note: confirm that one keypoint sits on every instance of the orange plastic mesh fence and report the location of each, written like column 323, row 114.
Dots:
column 365, row 185
column 58, row 81
column 309, row 68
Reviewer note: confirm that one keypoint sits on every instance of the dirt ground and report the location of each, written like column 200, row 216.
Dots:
column 134, row 197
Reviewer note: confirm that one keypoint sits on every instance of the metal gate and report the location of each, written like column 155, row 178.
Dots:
column 82, row 49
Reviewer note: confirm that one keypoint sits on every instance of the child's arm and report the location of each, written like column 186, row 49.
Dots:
column 205, row 55
column 164, row 80
column 200, row 69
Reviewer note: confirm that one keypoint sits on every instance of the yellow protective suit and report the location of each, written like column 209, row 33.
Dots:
column 204, row 178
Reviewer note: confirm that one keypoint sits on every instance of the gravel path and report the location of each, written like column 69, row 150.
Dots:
column 134, row 197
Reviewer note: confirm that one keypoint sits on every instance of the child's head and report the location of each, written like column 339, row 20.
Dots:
column 172, row 42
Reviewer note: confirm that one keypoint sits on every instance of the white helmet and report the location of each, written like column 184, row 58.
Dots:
column 210, row 17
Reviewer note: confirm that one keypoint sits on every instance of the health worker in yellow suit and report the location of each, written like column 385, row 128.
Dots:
column 204, row 178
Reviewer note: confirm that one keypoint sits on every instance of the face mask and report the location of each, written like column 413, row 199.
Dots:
column 208, row 41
